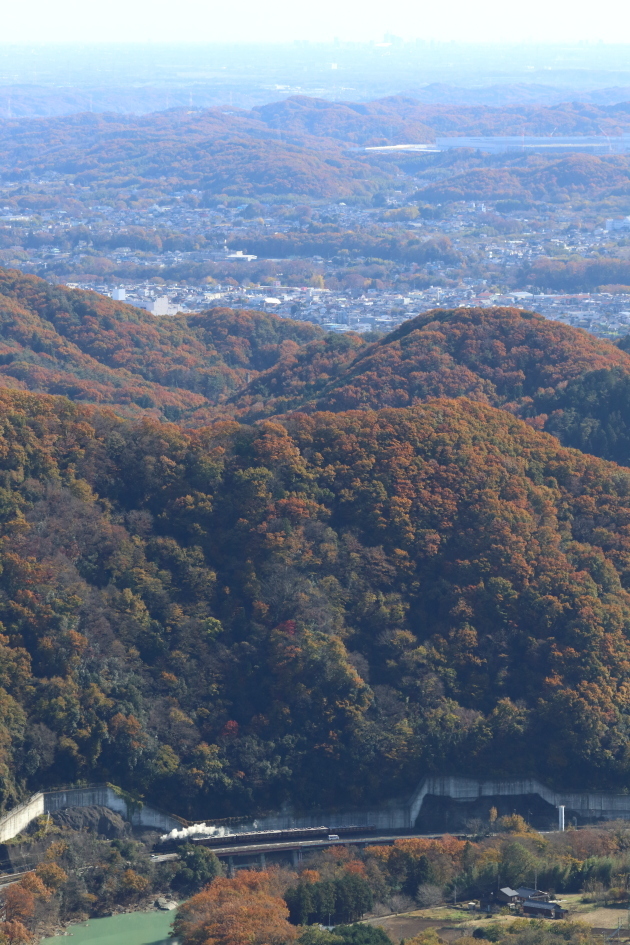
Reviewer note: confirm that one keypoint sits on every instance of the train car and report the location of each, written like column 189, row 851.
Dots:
column 284, row 836
column 264, row 836
column 271, row 836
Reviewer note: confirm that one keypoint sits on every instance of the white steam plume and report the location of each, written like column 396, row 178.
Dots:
column 198, row 830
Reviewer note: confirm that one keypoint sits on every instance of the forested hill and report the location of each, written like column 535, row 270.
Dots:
column 86, row 346
column 320, row 610
column 249, row 365
column 403, row 119
column 495, row 355
column 395, row 574
column 300, row 146
column 560, row 378
column 555, row 178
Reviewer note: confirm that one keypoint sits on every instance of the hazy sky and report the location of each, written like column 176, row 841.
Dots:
column 282, row 20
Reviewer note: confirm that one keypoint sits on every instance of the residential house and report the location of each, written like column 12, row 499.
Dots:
column 543, row 910
column 537, row 895
column 507, row 896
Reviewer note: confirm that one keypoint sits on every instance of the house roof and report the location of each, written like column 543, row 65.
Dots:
column 507, row 891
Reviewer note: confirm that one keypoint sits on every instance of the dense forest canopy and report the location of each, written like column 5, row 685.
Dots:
column 577, row 275
column 246, row 365
column 92, row 349
column 357, row 563
column 217, row 150
column 539, row 178
column 298, row 378
column 506, row 357
column 402, row 118
column 320, row 610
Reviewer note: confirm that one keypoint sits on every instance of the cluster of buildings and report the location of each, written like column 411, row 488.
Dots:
column 524, row 901
column 187, row 244
column 604, row 314
column 619, row 224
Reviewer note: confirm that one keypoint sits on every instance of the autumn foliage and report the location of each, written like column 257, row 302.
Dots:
column 424, row 589
column 296, row 146
column 321, row 606
column 20, row 901
column 241, row 911
column 500, row 356
column 94, row 350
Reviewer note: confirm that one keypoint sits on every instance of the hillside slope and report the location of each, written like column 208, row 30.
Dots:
column 400, row 119
column 300, row 146
column 250, row 365
column 299, row 378
column 561, row 379
column 92, row 349
column 495, row 355
column 552, row 178
column 218, row 150
column 318, row 611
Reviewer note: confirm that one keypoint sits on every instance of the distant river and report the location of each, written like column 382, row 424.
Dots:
column 132, row 928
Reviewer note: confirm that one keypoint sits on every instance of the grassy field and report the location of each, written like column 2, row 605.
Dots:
column 452, row 922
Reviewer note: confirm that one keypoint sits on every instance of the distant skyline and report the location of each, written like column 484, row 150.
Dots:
column 158, row 21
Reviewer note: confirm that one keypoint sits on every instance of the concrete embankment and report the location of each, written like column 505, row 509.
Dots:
column 396, row 815
column 403, row 814
column 99, row 795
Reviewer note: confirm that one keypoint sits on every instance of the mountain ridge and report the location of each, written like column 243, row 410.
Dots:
column 317, row 607
column 240, row 615
column 66, row 341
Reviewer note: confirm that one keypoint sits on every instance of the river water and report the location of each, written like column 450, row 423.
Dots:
column 132, row 928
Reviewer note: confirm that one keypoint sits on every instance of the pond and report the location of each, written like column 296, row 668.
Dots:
column 132, row 928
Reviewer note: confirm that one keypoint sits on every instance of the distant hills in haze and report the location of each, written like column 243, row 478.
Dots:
column 521, row 93
column 300, row 146
column 41, row 101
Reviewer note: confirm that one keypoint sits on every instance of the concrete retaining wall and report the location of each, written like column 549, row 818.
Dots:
column 588, row 804
column 393, row 818
column 20, row 817
column 397, row 815
column 98, row 795
column 403, row 814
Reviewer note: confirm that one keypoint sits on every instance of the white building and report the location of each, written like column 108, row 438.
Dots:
column 158, row 306
column 119, row 294
column 239, row 254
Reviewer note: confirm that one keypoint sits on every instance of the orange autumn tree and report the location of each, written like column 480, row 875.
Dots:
column 19, row 906
column 238, row 911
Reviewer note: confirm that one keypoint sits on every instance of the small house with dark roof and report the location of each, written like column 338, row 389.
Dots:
column 543, row 910
column 524, row 892
column 507, row 895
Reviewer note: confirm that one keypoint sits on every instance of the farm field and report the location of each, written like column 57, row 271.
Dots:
column 452, row 922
